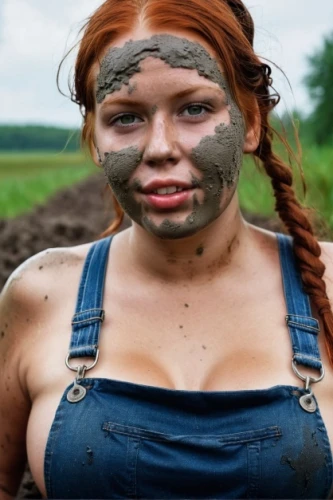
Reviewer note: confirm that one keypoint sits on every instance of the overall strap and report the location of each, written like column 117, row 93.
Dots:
column 89, row 315
column 303, row 328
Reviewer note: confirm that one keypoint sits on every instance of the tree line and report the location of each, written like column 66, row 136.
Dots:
column 316, row 128
column 38, row 137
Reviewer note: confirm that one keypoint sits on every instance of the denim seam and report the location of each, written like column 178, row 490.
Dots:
column 307, row 356
column 49, row 450
column 87, row 320
column 81, row 348
column 328, row 444
column 259, row 435
column 253, row 454
column 301, row 325
column 133, row 445
column 87, row 310
column 311, row 318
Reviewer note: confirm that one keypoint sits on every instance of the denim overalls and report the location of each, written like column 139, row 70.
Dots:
column 114, row 439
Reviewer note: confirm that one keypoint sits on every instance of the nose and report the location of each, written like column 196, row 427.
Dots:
column 161, row 147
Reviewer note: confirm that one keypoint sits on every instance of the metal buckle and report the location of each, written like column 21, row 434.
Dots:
column 306, row 378
column 78, row 367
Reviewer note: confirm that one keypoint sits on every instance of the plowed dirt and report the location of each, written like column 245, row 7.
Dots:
column 74, row 216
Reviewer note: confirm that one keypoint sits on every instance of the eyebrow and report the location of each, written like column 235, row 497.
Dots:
column 183, row 93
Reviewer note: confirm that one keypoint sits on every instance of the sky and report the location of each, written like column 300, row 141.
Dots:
column 36, row 34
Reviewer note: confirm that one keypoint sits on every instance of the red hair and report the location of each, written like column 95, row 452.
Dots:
column 227, row 27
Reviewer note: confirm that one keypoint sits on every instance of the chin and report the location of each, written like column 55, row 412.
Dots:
column 169, row 229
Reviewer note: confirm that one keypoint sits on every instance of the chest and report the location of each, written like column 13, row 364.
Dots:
column 214, row 341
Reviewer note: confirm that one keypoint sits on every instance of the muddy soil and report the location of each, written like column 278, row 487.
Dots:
column 75, row 215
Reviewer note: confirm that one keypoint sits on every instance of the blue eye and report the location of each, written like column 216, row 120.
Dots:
column 125, row 120
column 195, row 110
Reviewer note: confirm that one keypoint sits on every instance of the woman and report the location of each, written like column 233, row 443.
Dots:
column 182, row 380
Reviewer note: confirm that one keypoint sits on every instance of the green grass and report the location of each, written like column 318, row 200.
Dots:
column 30, row 178
column 256, row 194
column 27, row 179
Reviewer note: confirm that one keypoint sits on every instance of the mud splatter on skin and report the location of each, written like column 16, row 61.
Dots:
column 311, row 459
column 121, row 63
column 218, row 157
column 199, row 251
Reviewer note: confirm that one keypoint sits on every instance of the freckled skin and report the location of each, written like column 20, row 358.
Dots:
column 217, row 157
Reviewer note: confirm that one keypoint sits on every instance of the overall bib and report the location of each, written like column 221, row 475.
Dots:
column 114, row 439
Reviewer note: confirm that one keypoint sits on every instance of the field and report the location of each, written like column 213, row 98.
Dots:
column 256, row 194
column 27, row 179
column 30, row 179
column 77, row 214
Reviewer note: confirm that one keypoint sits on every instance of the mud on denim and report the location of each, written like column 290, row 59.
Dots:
column 126, row 440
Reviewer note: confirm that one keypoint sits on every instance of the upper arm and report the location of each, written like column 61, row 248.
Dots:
column 19, row 315
column 24, row 311
column 15, row 404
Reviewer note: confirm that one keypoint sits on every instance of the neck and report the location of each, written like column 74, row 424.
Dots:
column 199, row 258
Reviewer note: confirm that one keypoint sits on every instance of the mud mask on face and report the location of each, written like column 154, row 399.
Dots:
column 217, row 157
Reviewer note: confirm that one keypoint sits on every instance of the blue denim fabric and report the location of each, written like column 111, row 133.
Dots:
column 126, row 440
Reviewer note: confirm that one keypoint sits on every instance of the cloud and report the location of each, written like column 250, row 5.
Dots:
column 286, row 33
column 35, row 35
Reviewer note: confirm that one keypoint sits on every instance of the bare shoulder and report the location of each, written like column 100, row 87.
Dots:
column 39, row 269
column 23, row 307
column 24, row 299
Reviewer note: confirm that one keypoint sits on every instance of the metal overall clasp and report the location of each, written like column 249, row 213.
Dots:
column 78, row 391
column 307, row 401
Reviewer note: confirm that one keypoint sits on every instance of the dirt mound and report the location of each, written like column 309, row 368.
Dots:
column 74, row 216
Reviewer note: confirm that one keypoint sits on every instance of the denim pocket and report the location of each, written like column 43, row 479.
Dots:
column 161, row 465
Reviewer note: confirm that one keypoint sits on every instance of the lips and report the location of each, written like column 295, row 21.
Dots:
column 166, row 186
column 168, row 201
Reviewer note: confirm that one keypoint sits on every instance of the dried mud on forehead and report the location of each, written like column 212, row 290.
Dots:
column 74, row 216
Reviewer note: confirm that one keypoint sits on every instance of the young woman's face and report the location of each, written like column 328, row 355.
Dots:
column 168, row 132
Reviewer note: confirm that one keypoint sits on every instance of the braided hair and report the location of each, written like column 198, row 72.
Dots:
column 230, row 32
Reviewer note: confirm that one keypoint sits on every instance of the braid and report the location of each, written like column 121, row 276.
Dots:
column 293, row 215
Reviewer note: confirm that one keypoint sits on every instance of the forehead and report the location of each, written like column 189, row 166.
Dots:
column 124, row 59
